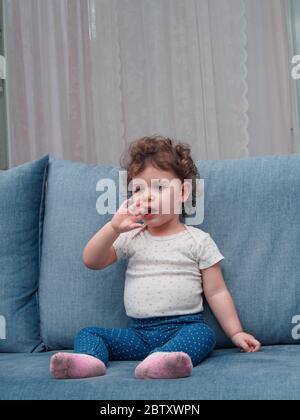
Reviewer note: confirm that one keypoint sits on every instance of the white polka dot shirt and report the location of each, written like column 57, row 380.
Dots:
column 163, row 275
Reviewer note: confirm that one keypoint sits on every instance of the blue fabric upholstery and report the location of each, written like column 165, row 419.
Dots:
column 21, row 211
column 227, row 375
column 71, row 295
column 251, row 211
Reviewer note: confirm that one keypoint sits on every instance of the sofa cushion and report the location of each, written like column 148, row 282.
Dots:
column 21, row 212
column 272, row 374
column 71, row 295
column 251, row 211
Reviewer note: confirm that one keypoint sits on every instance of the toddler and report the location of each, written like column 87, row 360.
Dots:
column 170, row 266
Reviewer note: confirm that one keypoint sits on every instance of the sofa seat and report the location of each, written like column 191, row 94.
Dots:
column 272, row 373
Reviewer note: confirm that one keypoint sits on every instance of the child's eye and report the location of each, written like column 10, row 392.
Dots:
column 161, row 187
column 137, row 189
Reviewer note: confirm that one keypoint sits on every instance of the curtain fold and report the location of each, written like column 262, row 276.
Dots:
column 269, row 76
column 293, row 18
column 88, row 76
column 3, row 140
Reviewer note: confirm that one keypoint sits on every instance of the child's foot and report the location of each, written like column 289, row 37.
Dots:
column 76, row 366
column 165, row 365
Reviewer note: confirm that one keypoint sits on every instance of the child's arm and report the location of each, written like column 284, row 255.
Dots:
column 99, row 252
column 222, row 305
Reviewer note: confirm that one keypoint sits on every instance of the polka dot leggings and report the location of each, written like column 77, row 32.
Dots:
column 186, row 333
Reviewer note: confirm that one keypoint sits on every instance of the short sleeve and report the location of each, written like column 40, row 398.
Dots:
column 121, row 246
column 208, row 253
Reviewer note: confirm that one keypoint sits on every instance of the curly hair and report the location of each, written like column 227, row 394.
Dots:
column 163, row 153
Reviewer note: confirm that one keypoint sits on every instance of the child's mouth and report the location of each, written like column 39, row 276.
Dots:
column 150, row 213
column 149, row 216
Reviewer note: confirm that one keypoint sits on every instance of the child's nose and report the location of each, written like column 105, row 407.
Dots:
column 147, row 198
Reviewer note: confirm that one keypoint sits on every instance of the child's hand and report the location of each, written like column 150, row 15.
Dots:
column 246, row 342
column 127, row 216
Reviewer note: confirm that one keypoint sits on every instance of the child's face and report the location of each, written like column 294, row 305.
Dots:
column 163, row 191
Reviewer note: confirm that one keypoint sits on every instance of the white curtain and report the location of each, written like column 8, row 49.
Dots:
column 293, row 19
column 269, row 78
column 85, row 77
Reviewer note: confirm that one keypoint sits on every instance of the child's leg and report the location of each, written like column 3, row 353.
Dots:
column 176, row 358
column 93, row 348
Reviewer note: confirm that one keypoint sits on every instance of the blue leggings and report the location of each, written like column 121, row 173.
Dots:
column 186, row 333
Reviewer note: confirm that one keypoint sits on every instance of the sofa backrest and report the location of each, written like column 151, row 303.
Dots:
column 251, row 211
column 72, row 296
column 21, row 220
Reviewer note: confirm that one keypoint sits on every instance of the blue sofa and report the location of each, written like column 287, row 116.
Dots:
column 48, row 213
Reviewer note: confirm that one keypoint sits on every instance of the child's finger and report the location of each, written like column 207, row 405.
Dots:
column 134, row 209
column 138, row 202
column 254, row 344
column 127, row 202
column 141, row 210
column 253, row 341
column 138, row 217
column 135, row 226
column 137, row 207
column 245, row 346
column 257, row 346
column 125, row 206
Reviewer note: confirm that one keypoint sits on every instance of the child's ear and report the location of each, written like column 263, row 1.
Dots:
column 186, row 190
